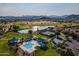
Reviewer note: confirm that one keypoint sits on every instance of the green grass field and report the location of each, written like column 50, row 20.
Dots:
column 4, row 49
column 49, row 52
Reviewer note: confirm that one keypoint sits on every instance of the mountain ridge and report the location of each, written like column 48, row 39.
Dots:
column 40, row 17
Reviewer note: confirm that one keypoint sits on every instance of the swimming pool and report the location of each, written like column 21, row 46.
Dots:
column 28, row 45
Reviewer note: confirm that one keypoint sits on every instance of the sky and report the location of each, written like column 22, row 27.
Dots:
column 19, row 9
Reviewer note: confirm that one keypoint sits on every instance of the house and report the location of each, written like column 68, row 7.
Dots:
column 56, row 41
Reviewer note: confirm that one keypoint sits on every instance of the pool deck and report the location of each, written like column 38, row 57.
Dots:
column 29, row 50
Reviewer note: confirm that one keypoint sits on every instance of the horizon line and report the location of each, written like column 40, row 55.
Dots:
column 39, row 15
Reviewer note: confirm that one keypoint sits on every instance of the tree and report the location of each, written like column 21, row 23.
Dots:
column 15, row 27
column 69, row 52
column 30, row 32
column 57, row 33
column 61, row 45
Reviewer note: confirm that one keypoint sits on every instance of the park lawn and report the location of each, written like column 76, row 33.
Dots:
column 39, row 35
column 9, row 35
column 4, row 49
column 23, row 26
column 3, row 46
column 49, row 52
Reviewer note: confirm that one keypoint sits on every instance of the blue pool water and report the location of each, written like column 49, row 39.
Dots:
column 28, row 45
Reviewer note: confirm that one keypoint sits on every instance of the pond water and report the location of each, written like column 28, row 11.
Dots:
column 34, row 28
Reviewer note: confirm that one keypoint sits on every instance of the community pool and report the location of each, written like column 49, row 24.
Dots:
column 28, row 45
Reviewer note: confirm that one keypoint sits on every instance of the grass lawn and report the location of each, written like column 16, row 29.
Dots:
column 39, row 35
column 3, row 46
column 4, row 49
column 49, row 52
column 9, row 35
